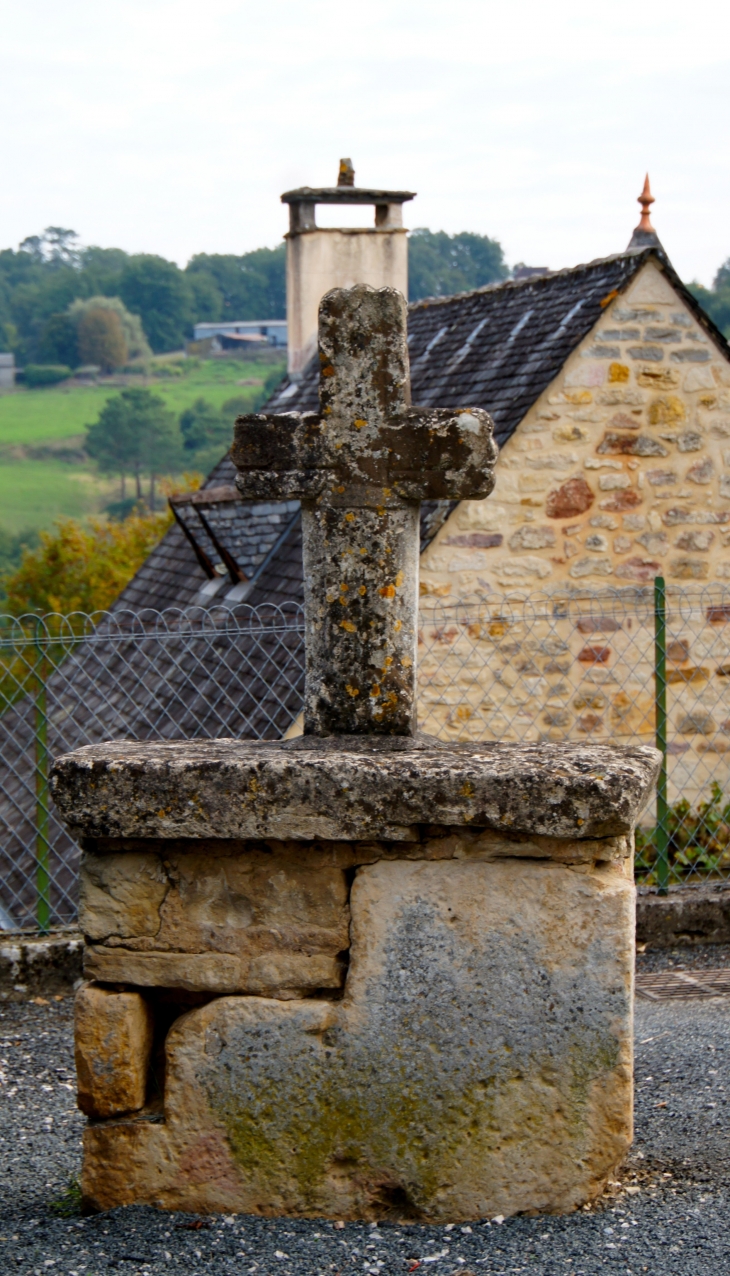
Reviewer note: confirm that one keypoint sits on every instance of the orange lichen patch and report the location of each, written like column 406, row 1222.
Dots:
column 609, row 298
column 618, row 372
column 362, row 591
column 398, row 626
column 359, row 423
column 399, row 580
column 387, row 591
column 578, row 396
column 348, row 625
column 375, row 689
column 406, row 662
column 328, row 370
column 351, row 691
column 464, row 712
column 349, row 518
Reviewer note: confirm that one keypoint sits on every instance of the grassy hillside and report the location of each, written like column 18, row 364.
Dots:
column 43, row 473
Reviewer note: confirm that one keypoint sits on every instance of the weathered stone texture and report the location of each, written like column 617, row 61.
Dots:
column 361, row 468
column 112, row 1039
column 348, row 789
column 480, row 1062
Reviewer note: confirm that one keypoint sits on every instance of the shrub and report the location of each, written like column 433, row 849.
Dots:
column 37, row 374
column 698, row 841
column 83, row 569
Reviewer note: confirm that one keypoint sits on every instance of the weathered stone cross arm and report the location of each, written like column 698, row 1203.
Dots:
column 361, row 467
column 423, row 454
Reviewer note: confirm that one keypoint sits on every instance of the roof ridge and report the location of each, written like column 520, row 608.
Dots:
column 536, row 281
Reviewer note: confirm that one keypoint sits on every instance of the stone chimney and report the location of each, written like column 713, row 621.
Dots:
column 319, row 258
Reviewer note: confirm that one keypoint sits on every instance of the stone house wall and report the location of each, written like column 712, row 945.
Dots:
column 618, row 473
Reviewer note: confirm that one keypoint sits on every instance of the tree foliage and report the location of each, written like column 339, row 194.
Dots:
column 441, row 264
column 135, row 435
column 716, row 300
column 159, row 292
column 252, row 286
column 82, row 569
column 203, row 426
column 101, row 340
column 131, row 325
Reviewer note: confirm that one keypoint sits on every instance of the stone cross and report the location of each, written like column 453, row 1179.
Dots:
column 361, row 467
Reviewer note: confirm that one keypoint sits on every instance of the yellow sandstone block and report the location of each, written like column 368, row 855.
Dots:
column 113, row 1040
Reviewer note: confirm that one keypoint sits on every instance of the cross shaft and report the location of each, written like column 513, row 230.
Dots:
column 361, row 467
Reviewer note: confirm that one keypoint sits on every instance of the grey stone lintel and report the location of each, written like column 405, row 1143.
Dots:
column 345, row 789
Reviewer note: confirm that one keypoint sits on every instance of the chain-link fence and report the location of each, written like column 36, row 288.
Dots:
column 66, row 681
column 628, row 666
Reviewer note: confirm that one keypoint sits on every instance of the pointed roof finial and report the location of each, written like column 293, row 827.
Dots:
column 645, row 235
column 646, row 199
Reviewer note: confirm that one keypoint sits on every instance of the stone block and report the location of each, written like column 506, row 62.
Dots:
column 348, row 788
column 690, row 356
column 652, row 354
column 480, row 1062
column 112, row 1041
column 570, row 499
column 273, row 973
column 241, row 902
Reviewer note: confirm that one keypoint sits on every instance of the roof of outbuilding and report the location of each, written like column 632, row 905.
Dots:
column 497, row 348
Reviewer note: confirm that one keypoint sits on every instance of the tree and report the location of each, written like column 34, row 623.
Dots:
column 78, row 569
column 60, row 342
column 716, row 300
column 136, row 342
column 441, row 264
column 252, row 286
column 135, row 434
column 203, row 426
column 158, row 291
column 101, row 339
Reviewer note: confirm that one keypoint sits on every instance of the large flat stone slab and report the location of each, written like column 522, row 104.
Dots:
column 479, row 1063
column 349, row 789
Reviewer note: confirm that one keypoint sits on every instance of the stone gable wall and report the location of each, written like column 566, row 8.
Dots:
column 619, row 472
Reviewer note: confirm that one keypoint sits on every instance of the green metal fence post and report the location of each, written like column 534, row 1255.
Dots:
column 660, row 702
column 43, row 866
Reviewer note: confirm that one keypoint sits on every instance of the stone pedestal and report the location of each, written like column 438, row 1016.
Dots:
column 373, row 978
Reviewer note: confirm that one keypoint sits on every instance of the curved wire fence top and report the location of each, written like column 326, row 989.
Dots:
column 572, row 665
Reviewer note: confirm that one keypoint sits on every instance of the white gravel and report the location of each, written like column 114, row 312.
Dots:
column 672, row 1219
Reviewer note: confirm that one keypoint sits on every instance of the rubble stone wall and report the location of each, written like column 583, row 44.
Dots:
column 619, row 472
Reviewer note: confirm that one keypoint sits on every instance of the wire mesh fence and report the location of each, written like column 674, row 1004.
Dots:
column 67, row 681
column 629, row 666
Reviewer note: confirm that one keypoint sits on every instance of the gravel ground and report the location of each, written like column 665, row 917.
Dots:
column 699, row 957
column 667, row 1214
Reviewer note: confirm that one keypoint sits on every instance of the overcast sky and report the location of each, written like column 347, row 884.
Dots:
column 172, row 126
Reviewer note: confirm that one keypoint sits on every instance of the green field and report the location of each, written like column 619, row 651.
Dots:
column 35, row 490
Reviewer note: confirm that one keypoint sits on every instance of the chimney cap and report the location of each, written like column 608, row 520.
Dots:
column 345, row 195
column 645, row 235
column 345, row 192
